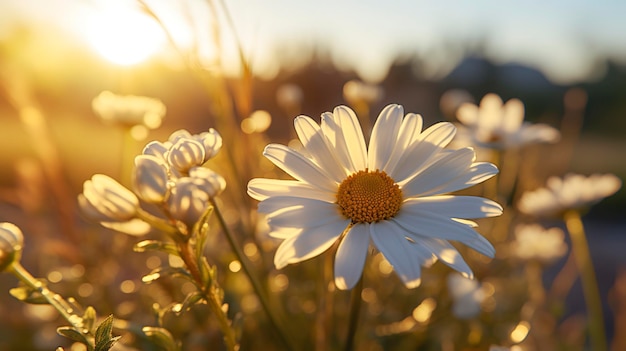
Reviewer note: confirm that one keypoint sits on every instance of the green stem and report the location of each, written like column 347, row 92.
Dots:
column 55, row 300
column 209, row 295
column 256, row 285
column 355, row 310
column 580, row 248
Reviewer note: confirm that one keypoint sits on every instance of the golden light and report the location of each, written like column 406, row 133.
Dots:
column 124, row 36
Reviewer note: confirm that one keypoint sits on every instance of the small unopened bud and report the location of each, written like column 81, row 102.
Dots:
column 150, row 178
column 186, row 153
column 190, row 196
column 105, row 200
column 11, row 243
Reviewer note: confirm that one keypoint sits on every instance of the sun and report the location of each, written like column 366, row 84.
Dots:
column 124, row 35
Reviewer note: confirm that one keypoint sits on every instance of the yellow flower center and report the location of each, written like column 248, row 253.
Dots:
column 367, row 197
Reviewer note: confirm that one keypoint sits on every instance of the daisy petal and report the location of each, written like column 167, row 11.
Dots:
column 262, row 188
column 409, row 131
column 315, row 143
column 384, row 135
column 310, row 243
column 299, row 166
column 453, row 206
column 512, row 115
column 344, row 133
column 405, row 256
column 351, row 256
column 477, row 173
column 439, row 173
column 449, row 255
column 418, row 154
column 443, row 228
column 310, row 213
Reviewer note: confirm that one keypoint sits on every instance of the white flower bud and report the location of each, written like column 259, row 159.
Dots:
column 186, row 153
column 105, row 200
column 189, row 197
column 212, row 183
column 212, row 141
column 150, row 178
column 157, row 148
column 187, row 200
column 11, row 242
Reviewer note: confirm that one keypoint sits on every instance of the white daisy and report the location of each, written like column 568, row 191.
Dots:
column 573, row 192
column 393, row 192
column 534, row 242
column 499, row 125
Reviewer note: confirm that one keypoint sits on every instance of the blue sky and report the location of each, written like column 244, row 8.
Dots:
column 560, row 37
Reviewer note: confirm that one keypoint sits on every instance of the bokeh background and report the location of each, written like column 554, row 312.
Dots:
column 58, row 55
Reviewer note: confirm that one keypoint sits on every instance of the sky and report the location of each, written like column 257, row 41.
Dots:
column 562, row 38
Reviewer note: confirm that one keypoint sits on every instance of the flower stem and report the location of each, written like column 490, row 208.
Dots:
column 55, row 300
column 355, row 309
column 256, row 285
column 580, row 248
column 209, row 294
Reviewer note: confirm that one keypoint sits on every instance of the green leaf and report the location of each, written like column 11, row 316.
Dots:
column 166, row 271
column 28, row 295
column 161, row 337
column 89, row 319
column 190, row 300
column 106, row 345
column 73, row 334
column 104, row 331
column 156, row 245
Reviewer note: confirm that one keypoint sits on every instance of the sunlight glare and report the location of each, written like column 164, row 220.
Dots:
column 125, row 36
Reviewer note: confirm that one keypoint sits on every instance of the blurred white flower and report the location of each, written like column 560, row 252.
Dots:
column 104, row 199
column 189, row 196
column 467, row 296
column 11, row 243
column 534, row 242
column 150, row 178
column 357, row 93
column 392, row 193
column 129, row 110
column 500, row 126
column 289, row 97
column 573, row 192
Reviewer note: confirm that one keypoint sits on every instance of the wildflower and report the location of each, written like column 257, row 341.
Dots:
column 467, row 295
column 533, row 242
column 11, row 242
column 189, row 197
column 150, row 178
column 183, row 150
column 501, row 126
column 393, row 193
column 130, row 111
column 573, row 192
column 106, row 201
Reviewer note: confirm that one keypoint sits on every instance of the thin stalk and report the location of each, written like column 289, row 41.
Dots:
column 55, row 300
column 580, row 247
column 209, row 295
column 355, row 310
column 256, row 285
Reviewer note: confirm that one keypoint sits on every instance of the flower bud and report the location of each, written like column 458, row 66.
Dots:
column 187, row 200
column 186, row 153
column 150, row 178
column 212, row 142
column 156, row 148
column 11, row 242
column 212, row 183
column 105, row 200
